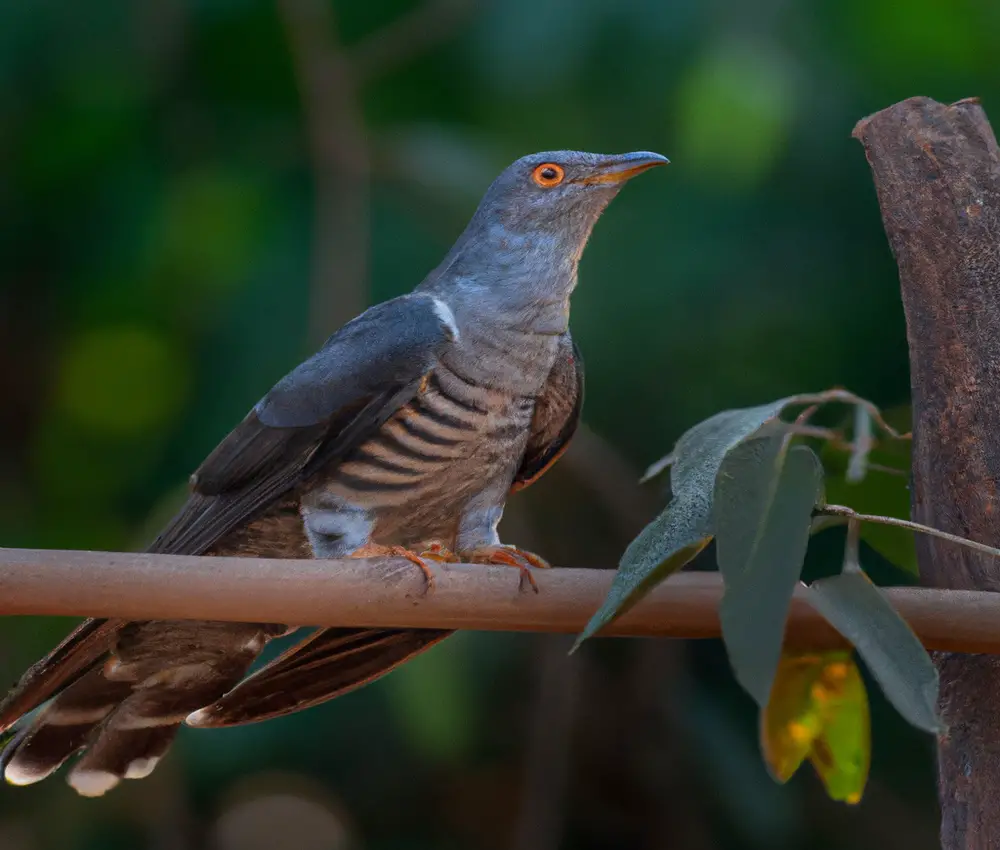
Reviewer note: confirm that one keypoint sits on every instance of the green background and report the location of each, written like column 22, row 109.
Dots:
column 162, row 184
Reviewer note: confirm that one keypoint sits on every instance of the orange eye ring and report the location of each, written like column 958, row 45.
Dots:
column 548, row 174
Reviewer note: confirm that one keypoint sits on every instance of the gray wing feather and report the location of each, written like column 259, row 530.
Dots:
column 319, row 411
column 388, row 345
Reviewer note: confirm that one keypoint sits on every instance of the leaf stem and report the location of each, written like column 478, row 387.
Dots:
column 847, row 397
column 850, row 513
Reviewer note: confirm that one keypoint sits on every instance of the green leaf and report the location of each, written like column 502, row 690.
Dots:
column 878, row 492
column 685, row 527
column 842, row 754
column 860, row 612
column 764, row 498
column 818, row 709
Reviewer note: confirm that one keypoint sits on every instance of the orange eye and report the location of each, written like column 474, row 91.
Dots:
column 548, row 174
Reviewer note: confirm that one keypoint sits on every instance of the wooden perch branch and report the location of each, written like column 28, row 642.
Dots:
column 391, row 592
column 937, row 172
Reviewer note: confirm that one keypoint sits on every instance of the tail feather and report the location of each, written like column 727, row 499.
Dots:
column 82, row 650
column 61, row 728
column 327, row 664
column 120, row 754
column 126, row 713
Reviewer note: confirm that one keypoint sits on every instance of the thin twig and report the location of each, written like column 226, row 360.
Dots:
column 843, row 510
column 801, row 427
column 541, row 813
column 408, row 36
column 863, row 444
column 852, row 546
column 599, row 466
column 847, row 397
column 835, row 438
column 340, row 159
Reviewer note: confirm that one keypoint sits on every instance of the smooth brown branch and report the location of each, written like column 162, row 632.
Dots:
column 389, row 592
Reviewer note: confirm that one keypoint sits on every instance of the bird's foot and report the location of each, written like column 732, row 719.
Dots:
column 441, row 553
column 375, row 550
column 508, row 556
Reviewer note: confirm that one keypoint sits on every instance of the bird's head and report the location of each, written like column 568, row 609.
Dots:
column 521, row 248
column 561, row 191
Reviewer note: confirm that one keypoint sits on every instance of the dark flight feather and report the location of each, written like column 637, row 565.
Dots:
column 556, row 416
column 327, row 664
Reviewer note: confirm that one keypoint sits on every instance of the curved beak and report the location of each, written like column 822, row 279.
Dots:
column 618, row 169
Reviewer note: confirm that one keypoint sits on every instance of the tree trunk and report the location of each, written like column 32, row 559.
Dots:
column 937, row 172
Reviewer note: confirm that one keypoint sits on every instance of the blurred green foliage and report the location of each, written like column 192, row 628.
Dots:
column 158, row 194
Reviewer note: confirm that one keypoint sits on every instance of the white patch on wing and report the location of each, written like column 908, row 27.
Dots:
column 447, row 317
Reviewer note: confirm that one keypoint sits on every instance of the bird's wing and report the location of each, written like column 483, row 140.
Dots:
column 557, row 413
column 320, row 411
column 331, row 662
column 327, row 664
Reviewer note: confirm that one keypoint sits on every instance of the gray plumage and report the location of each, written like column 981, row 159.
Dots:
column 410, row 427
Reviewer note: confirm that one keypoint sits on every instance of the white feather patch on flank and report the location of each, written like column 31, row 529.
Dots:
column 447, row 317
column 92, row 783
column 19, row 774
column 141, row 768
column 201, row 717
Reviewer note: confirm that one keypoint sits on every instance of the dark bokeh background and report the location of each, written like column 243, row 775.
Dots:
column 194, row 193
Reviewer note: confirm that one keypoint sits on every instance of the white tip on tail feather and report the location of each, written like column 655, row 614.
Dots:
column 17, row 774
column 92, row 783
column 201, row 717
column 141, row 768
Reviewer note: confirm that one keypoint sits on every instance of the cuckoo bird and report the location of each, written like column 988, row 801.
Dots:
column 403, row 435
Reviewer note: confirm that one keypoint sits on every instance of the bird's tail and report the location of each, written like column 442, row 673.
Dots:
column 126, row 712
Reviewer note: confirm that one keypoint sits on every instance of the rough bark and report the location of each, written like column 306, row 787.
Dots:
column 937, row 172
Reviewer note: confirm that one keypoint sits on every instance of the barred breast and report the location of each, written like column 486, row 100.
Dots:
column 426, row 461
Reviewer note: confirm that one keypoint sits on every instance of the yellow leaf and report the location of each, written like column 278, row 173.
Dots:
column 819, row 710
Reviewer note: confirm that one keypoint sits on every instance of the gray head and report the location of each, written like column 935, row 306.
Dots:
column 560, row 192
column 532, row 225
